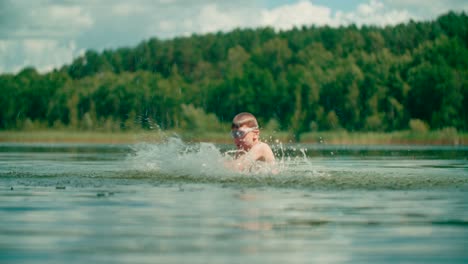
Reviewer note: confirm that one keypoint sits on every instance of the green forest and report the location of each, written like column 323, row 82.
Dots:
column 369, row 78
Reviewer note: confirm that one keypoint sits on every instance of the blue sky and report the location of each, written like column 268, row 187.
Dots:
column 47, row 34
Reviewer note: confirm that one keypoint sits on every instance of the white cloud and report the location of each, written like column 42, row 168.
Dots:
column 43, row 54
column 127, row 9
column 300, row 13
column 427, row 9
column 47, row 21
column 41, row 34
column 435, row 7
column 202, row 17
column 68, row 16
column 212, row 19
column 166, row 25
column 374, row 12
column 369, row 9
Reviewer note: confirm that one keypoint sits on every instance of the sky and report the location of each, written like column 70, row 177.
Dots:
column 48, row 34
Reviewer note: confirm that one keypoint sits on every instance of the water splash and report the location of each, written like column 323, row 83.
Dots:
column 173, row 156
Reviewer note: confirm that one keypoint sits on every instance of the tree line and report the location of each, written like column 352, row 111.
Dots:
column 306, row 79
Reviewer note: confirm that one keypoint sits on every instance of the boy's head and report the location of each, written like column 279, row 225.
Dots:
column 244, row 119
column 244, row 130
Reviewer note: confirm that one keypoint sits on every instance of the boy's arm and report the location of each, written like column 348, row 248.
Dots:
column 263, row 153
column 269, row 156
column 239, row 164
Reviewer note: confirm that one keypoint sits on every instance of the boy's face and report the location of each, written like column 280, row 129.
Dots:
column 248, row 139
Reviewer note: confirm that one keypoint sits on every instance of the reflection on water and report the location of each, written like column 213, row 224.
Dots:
column 173, row 203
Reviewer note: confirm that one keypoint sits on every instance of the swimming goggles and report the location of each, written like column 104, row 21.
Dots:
column 241, row 133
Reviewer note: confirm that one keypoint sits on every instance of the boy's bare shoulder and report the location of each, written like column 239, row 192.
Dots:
column 261, row 146
column 263, row 152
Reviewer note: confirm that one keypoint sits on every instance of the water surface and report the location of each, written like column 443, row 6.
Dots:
column 175, row 203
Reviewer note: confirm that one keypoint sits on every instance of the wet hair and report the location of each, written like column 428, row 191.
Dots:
column 244, row 119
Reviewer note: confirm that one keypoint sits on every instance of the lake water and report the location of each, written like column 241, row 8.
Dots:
column 174, row 202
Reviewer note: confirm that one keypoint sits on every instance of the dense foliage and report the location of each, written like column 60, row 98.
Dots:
column 305, row 79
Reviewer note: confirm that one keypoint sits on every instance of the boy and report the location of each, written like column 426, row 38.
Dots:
column 250, row 149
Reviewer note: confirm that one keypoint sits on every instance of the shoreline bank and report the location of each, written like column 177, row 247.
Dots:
column 331, row 138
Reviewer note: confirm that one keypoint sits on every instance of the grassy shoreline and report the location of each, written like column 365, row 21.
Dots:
column 332, row 138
